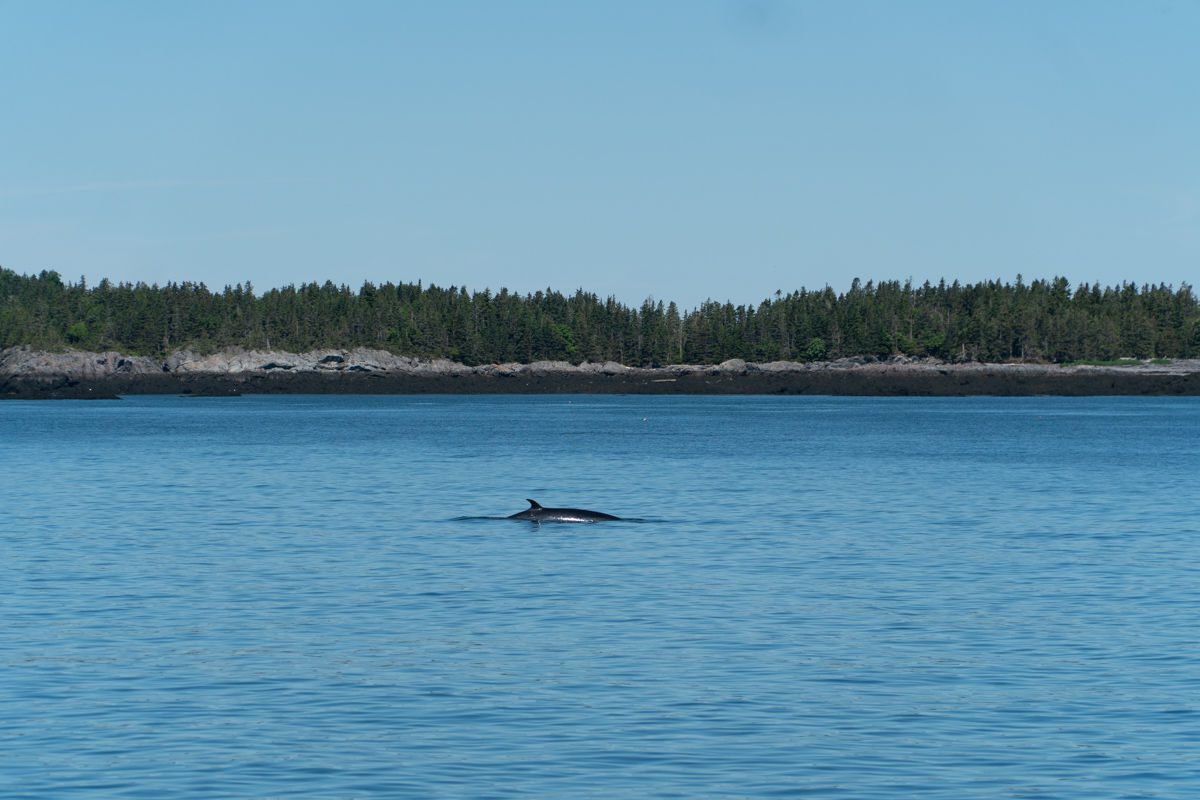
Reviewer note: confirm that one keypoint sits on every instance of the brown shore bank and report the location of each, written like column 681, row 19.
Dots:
column 29, row 374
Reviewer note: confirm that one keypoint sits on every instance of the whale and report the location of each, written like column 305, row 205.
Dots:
column 538, row 513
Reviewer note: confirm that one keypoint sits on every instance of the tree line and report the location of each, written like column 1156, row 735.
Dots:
column 1044, row 320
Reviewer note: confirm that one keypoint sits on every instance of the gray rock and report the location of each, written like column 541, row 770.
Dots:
column 735, row 365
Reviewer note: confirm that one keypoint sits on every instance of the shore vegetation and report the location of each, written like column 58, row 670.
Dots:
column 1048, row 321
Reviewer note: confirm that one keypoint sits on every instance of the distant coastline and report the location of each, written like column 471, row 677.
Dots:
column 1044, row 321
column 26, row 373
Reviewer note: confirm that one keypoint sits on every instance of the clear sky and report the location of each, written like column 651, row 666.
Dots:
column 683, row 150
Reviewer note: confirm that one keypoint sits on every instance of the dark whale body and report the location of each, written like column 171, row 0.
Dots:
column 536, row 513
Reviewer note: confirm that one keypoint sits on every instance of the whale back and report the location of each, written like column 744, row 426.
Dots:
column 539, row 513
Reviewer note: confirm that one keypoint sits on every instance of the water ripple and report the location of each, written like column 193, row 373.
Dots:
column 319, row 597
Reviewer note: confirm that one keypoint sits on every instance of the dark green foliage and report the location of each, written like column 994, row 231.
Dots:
column 77, row 333
column 989, row 321
column 816, row 350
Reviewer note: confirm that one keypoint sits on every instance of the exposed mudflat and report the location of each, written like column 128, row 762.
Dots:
column 29, row 374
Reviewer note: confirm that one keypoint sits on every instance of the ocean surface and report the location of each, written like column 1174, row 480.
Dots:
column 319, row 597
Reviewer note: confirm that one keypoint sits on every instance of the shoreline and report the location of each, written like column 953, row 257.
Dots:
column 28, row 374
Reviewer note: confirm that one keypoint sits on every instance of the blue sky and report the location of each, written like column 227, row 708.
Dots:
column 680, row 150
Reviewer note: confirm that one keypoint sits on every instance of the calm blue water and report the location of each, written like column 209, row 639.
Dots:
column 827, row 597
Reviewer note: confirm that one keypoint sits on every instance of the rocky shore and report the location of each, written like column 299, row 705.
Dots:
column 30, row 374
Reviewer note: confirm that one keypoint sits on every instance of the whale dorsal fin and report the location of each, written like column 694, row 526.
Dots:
column 533, row 503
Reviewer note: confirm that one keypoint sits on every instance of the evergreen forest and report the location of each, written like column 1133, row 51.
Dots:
column 1045, row 320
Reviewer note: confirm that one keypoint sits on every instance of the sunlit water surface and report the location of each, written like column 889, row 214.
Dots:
column 824, row 597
